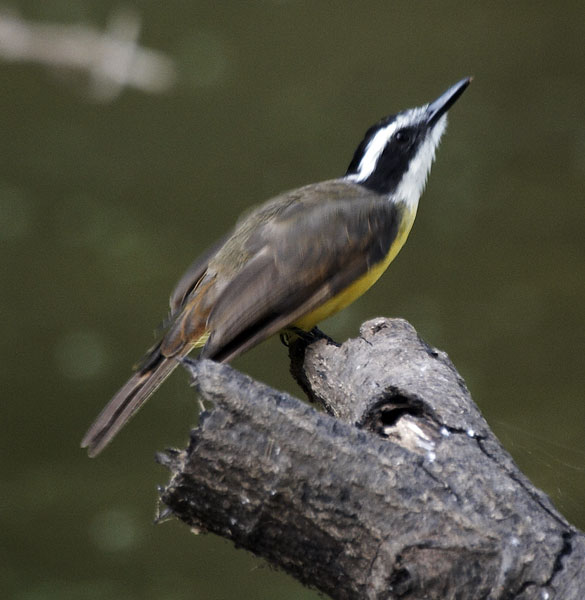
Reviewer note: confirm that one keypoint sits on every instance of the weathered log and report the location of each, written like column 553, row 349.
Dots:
column 398, row 490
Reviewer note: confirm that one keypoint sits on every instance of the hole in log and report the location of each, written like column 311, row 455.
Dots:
column 387, row 411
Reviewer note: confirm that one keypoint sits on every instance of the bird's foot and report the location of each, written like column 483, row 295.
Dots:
column 308, row 337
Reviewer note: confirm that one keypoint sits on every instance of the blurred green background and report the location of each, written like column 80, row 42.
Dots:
column 107, row 192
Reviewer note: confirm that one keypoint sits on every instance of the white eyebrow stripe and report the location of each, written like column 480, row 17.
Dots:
column 377, row 144
column 373, row 151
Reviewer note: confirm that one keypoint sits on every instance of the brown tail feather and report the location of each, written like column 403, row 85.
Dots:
column 126, row 402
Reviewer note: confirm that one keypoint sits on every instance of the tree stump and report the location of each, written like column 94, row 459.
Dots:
column 397, row 488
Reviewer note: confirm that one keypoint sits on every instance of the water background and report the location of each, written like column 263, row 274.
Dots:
column 107, row 193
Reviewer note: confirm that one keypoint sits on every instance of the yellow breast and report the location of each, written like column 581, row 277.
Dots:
column 362, row 284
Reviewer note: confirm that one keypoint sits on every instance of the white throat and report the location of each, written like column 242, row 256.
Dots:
column 413, row 182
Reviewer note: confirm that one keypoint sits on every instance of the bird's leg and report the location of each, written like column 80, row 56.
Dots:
column 288, row 336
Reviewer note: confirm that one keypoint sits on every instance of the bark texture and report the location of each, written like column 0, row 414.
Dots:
column 398, row 489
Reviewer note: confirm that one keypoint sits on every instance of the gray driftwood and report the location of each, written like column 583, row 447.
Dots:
column 398, row 489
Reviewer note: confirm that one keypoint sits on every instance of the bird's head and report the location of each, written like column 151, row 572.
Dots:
column 396, row 154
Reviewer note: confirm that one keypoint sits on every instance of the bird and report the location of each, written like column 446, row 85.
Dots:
column 295, row 260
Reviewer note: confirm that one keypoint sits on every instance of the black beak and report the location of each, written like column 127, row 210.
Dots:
column 445, row 101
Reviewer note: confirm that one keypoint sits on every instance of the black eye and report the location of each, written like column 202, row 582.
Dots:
column 402, row 136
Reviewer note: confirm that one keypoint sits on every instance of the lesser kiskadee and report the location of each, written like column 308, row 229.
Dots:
column 294, row 260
